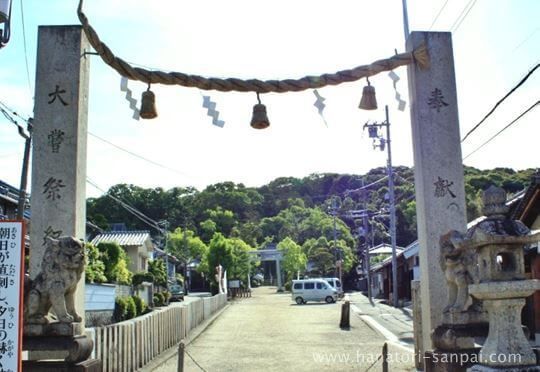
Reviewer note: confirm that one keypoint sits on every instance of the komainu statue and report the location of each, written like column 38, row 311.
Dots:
column 460, row 269
column 54, row 287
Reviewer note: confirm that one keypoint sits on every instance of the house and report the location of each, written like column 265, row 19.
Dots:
column 9, row 201
column 137, row 244
column 381, row 277
column 526, row 208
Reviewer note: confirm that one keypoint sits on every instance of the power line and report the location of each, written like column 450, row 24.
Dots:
column 501, row 101
column 438, row 14
column 461, row 16
column 141, row 216
column 502, row 130
column 25, row 52
column 137, row 155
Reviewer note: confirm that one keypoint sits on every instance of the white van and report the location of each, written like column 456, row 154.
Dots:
column 312, row 290
column 336, row 283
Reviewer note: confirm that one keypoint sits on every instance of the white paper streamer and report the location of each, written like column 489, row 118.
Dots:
column 319, row 103
column 132, row 101
column 395, row 78
column 212, row 112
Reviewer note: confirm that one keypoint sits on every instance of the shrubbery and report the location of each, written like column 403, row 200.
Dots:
column 128, row 307
column 162, row 298
column 142, row 276
column 140, row 305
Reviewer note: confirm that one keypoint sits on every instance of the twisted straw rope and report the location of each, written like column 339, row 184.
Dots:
column 418, row 56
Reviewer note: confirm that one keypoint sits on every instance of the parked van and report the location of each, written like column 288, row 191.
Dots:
column 336, row 283
column 312, row 290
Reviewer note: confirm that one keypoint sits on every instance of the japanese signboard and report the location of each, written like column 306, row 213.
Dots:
column 11, row 279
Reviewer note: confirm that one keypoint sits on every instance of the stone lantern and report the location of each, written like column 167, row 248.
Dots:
column 502, row 286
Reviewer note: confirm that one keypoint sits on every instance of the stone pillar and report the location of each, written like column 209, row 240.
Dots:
column 438, row 169
column 59, row 142
column 278, row 276
column 417, row 325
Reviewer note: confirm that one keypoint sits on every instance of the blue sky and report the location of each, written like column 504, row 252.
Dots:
column 495, row 45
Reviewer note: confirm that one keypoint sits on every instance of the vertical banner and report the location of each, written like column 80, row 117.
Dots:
column 11, row 294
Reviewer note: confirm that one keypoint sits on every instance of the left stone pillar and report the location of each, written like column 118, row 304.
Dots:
column 58, row 199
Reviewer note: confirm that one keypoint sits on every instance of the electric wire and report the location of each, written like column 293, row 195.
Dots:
column 501, row 101
column 461, row 17
column 25, row 51
column 137, row 155
column 135, row 212
column 438, row 14
column 502, row 130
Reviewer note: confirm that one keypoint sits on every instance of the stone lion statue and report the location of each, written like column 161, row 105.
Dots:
column 54, row 287
column 459, row 267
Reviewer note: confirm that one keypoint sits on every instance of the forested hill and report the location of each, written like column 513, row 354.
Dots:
column 298, row 208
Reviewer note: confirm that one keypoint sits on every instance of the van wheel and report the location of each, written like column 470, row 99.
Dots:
column 329, row 299
column 299, row 300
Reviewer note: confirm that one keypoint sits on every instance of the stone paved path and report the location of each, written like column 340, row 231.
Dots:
column 268, row 332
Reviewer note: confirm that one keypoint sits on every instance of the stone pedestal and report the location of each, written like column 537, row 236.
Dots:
column 506, row 346
column 59, row 337
column 91, row 365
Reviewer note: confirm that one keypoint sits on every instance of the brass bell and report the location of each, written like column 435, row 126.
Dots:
column 368, row 101
column 148, row 105
column 259, row 119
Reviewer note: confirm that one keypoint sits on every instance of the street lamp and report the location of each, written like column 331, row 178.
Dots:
column 373, row 131
column 5, row 19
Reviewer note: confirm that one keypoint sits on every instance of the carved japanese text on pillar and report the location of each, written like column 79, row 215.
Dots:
column 51, row 233
column 57, row 94
column 436, row 100
column 52, row 188
column 55, row 139
column 442, row 188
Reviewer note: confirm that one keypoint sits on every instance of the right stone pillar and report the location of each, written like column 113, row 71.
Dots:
column 438, row 168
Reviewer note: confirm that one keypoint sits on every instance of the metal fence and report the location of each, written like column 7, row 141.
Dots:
column 130, row 345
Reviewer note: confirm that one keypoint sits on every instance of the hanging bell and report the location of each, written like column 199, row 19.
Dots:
column 259, row 119
column 148, row 105
column 368, row 101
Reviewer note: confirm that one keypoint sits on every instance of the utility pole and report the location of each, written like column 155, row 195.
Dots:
column 24, row 173
column 334, row 211
column 366, row 245
column 373, row 133
column 186, row 281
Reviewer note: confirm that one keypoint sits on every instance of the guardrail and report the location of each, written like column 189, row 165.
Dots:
column 130, row 345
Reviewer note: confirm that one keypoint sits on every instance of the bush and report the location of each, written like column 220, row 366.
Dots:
column 288, row 285
column 139, row 304
column 124, row 309
column 120, row 309
column 131, row 310
column 158, row 299
column 142, row 276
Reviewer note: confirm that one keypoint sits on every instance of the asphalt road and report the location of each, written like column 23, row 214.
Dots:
column 268, row 332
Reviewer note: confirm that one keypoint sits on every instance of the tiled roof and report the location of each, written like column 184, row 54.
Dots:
column 123, row 238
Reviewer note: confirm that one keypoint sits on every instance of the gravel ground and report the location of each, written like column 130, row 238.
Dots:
column 268, row 332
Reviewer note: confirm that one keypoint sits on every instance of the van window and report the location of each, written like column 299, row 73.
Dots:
column 338, row 283
column 321, row 286
column 309, row 285
column 297, row 285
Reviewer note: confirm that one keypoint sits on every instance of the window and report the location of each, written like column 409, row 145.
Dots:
column 310, row 285
column 297, row 285
column 321, row 286
column 338, row 283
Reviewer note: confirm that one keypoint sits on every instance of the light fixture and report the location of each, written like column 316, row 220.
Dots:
column 148, row 105
column 259, row 120
column 368, row 101
column 5, row 18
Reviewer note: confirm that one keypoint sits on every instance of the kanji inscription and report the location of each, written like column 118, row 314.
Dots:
column 55, row 139
column 436, row 100
column 51, row 233
column 57, row 94
column 442, row 188
column 52, row 188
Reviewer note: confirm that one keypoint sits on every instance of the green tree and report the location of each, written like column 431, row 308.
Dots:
column 158, row 269
column 116, row 263
column 95, row 268
column 294, row 259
